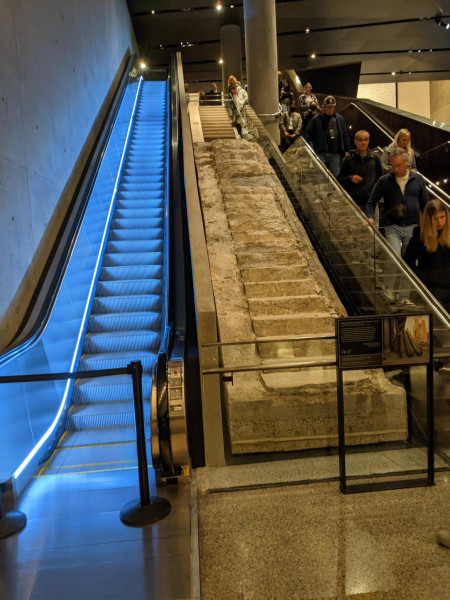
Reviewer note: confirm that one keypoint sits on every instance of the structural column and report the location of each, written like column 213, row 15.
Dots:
column 262, row 60
column 231, row 53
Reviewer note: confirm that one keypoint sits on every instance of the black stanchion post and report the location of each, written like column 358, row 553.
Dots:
column 11, row 523
column 146, row 510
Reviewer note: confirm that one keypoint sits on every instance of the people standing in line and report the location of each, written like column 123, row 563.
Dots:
column 402, row 140
column 286, row 96
column 405, row 196
column 291, row 127
column 328, row 135
column 308, row 105
column 360, row 170
column 239, row 100
column 428, row 252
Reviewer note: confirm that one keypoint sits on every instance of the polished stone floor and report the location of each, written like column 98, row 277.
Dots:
column 74, row 546
column 308, row 541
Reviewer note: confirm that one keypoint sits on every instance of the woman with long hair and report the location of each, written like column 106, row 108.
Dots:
column 428, row 253
column 402, row 139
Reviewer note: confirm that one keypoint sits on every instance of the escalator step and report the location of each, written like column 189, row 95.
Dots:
column 129, row 341
column 117, row 360
column 108, row 389
column 124, row 322
column 107, row 414
column 124, row 304
column 118, row 259
column 134, row 234
column 121, row 288
column 131, row 273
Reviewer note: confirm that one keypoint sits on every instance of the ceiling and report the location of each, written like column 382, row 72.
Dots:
column 387, row 36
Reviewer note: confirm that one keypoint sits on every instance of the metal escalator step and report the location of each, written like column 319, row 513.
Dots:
column 104, row 414
column 108, row 389
column 129, row 341
column 154, row 212
column 124, row 322
column 116, row 360
column 97, row 437
column 136, row 223
column 134, row 234
column 118, row 259
column 138, row 213
column 131, row 273
column 125, row 303
column 150, row 245
column 122, row 288
column 91, row 459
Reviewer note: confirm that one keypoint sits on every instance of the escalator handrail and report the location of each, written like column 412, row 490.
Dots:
column 435, row 148
column 413, row 279
column 27, row 336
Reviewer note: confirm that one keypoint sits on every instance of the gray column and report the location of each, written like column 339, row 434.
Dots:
column 262, row 60
column 231, row 52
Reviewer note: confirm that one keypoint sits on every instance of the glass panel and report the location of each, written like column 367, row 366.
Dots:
column 28, row 410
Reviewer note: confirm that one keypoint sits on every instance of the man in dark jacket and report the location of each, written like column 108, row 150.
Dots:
column 360, row 170
column 405, row 195
column 328, row 136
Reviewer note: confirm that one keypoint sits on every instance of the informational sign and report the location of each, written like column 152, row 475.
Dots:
column 364, row 342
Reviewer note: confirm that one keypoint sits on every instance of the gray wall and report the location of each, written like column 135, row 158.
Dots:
column 60, row 61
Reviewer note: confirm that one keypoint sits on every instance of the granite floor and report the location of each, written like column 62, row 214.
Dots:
column 309, row 541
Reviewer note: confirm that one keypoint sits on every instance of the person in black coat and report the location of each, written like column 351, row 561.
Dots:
column 428, row 252
column 360, row 170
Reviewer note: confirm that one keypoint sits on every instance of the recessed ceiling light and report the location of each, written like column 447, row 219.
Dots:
column 313, row 55
column 393, row 73
column 153, row 12
column 220, row 61
column 307, row 30
column 419, row 51
column 218, row 6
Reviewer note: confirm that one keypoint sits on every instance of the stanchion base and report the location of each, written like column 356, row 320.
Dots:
column 12, row 523
column 136, row 515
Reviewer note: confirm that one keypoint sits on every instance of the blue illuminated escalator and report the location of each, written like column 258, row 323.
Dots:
column 125, row 320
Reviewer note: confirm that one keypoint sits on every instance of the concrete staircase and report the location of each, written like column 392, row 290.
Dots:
column 215, row 123
column 267, row 282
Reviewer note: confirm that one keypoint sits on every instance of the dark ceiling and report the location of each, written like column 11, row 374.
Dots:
column 401, row 36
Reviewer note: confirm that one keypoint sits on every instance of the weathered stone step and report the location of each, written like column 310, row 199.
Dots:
column 287, row 305
column 275, row 273
column 263, row 236
column 293, row 287
column 269, row 257
column 311, row 380
column 298, row 324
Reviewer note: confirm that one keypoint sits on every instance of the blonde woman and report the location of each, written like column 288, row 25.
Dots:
column 428, row 252
column 402, row 140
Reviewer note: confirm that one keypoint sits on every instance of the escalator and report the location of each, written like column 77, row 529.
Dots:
column 117, row 296
column 125, row 321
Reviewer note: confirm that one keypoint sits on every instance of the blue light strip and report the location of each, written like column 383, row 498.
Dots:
column 81, row 332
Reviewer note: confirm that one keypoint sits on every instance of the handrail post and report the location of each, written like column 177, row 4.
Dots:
column 145, row 510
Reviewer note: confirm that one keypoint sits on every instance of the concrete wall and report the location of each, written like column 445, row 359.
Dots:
column 384, row 93
column 414, row 97
column 60, row 62
column 440, row 100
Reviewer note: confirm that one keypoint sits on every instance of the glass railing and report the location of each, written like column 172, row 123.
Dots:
column 365, row 271
column 280, row 397
column 30, row 412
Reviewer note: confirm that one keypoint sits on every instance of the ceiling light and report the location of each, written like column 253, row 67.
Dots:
column 431, row 49
column 313, row 55
column 445, row 180
column 153, row 12
column 143, row 65
column 218, row 6
column 220, row 61
column 442, row 22
column 419, row 51
column 307, row 30
column 393, row 73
